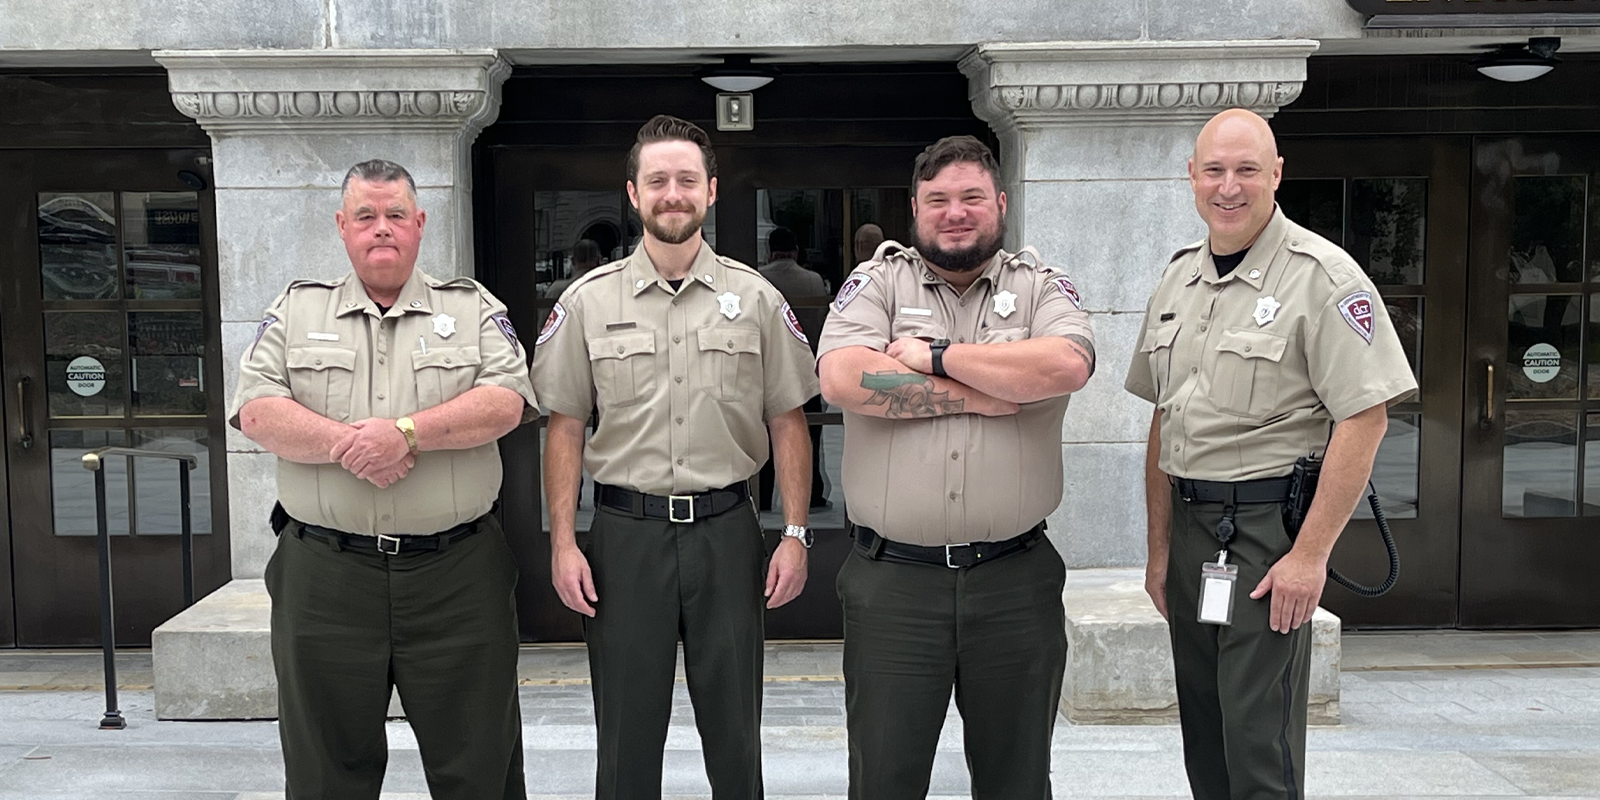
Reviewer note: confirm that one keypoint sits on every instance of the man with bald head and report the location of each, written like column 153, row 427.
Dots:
column 1258, row 339
column 868, row 237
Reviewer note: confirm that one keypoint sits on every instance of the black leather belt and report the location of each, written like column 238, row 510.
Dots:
column 673, row 508
column 1265, row 490
column 954, row 556
column 383, row 543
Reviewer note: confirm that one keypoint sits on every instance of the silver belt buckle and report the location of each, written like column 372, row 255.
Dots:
column 947, row 549
column 672, row 507
column 388, row 545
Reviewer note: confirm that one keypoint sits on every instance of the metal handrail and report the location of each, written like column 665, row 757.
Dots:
column 93, row 461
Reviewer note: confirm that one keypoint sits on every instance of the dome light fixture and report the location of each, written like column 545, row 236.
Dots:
column 736, row 73
column 1515, row 63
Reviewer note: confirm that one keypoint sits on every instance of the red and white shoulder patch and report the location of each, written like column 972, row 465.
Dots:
column 552, row 323
column 1064, row 285
column 1357, row 310
column 793, row 324
column 850, row 289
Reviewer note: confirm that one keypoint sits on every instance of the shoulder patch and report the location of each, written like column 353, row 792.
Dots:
column 552, row 324
column 261, row 330
column 502, row 322
column 852, row 287
column 1063, row 284
column 1356, row 309
column 793, row 324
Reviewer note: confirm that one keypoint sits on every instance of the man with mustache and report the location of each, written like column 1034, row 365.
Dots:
column 692, row 358
column 1258, row 339
column 952, row 363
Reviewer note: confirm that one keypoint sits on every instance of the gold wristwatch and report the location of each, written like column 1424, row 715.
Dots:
column 408, row 427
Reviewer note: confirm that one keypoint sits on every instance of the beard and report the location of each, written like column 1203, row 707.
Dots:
column 965, row 259
column 674, row 234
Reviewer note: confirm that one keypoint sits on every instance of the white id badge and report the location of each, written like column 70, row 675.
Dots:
column 1216, row 591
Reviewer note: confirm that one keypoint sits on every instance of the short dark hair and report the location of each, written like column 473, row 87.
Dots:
column 782, row 240
column 667, row 128
column 586, row 250
column 378, row 170
column 954, row 150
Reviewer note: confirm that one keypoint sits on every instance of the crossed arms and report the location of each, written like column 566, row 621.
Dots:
column 988, row 379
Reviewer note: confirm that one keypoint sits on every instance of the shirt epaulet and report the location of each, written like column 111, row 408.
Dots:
column 589, row 277
column 1340, row 268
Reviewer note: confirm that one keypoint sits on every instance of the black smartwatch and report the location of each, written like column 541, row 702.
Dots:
column 937, row 347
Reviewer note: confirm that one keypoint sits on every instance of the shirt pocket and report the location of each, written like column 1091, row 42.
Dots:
column 1157, row 346
column 624, row 367
column 730, row 361
column 1013, row 333
column 444, row 373
column 1245, row 379
column 916, row 327
column 321, row 378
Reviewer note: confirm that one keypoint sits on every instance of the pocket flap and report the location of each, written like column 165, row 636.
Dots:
column 730, row 340
column 1015, row 333
column 1253, row 344
column 447, row 357
column 916, row 327
column 1160, row 336
column 320, row 357
column 622, row 345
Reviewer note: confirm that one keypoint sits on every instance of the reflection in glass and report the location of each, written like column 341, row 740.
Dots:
column 1543, row 336
column 1315, row 203
column 1594, row 346
column 1547, row 229
column 889, row 209
column 156, row 493
column 161, row 243
column 820, row 519
column 1541, row 464
column 77, row 246
column 585, row 517
column 563, row 219
column 1406, row 315
column 72, row 486
column 168, row 362
column 1591, row 466
column 83, row 363
column 1388, row 228
column 1394, row 472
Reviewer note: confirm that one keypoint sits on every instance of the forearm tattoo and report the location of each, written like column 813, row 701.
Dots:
column 908, row 395
column 1085, row 348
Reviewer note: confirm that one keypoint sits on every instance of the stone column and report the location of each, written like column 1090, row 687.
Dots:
column 1094, row 142
column 285, row 126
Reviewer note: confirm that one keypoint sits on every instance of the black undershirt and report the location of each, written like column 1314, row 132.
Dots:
column 1226, row 264
column 677, row 284
column 382, row 309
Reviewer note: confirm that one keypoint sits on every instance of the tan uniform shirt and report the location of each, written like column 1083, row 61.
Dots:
column 324, row 345
column 684, row 381
column 960, row 478
column 1250, row 369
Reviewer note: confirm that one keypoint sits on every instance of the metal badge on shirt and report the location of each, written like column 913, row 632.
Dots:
column 1005, row 303
column 728, row 304
column 1217, row 582
column 444, row 325
column 1266, row 310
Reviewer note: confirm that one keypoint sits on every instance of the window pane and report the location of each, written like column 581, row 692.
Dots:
column 78, row 246
column 1394, row 472
column 83, row 363
column 1591, row 467
column 1388, row 228
column 1547, row 229
column 889, row 209
column 156, row 490
column 1317, row 204
column 569, row 227
column 161, row 244
column 72, row 486
column 1406, row 315
column 1541, row 464
column 1543, row 336
column 168, row 363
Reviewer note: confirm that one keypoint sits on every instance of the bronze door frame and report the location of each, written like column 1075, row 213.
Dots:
column 54, row 579
column 1426, row 594
column 1528, row 571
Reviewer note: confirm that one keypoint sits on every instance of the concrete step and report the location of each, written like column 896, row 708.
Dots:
column 1119, row 656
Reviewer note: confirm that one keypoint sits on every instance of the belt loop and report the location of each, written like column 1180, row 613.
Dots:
column 636, row 504
column 333, row 544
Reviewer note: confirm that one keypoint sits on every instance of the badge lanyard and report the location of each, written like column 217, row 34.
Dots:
column 1218, row 579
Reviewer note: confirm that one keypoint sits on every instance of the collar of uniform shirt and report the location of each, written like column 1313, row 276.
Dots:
column 1262, row 251
column 353, row 297
column 986, row 274
column 642, row 273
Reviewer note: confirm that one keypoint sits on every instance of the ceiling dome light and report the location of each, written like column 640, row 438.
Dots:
column 737, row 74
column 1514, row 63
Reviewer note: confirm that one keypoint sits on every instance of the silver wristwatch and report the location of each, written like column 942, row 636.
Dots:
column 800, row 532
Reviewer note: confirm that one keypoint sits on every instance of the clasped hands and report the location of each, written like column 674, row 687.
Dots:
column 375, row 451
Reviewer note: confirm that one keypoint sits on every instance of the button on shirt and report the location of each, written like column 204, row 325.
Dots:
column 1250, row 369
column 325, row 345
column 958, row 478
column 684, row 381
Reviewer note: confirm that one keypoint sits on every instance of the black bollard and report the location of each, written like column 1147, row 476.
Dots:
column 113, row 720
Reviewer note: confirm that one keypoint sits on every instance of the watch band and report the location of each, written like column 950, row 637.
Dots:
column 937, row 348
column 408, row 427
column 800, row 532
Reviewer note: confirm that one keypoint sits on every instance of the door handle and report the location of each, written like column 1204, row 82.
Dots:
column 1487, row 420
column 24, row 413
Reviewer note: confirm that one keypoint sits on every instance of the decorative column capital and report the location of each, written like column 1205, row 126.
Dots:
column 1131, row 83
column 329, row 91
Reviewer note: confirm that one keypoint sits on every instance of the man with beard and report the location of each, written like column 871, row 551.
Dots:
column 952, row 363
column 692, row 359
